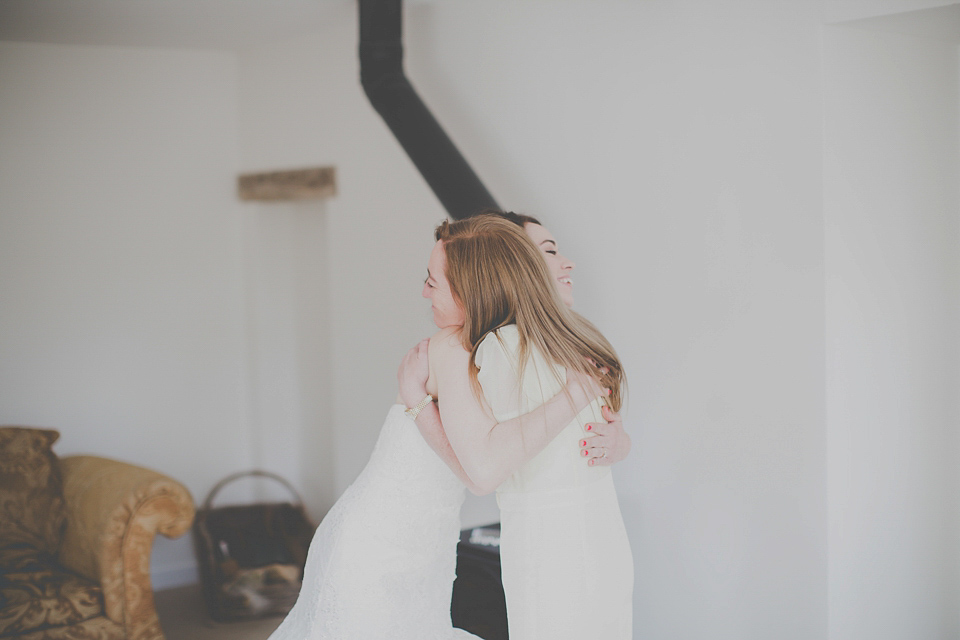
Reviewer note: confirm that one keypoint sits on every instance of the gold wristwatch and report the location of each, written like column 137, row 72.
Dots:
column 414, row 411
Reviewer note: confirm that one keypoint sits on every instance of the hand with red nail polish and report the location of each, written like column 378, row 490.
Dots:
column 609, row 442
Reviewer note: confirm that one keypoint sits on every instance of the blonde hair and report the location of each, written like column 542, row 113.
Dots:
column 498, row 277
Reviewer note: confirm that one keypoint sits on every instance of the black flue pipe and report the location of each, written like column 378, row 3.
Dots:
column 447, row 172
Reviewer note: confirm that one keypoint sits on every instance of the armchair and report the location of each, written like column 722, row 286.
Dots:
column 112, row 512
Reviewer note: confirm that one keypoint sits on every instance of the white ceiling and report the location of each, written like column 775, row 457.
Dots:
column 192, row 24
column 238, row 24
column 940, row 23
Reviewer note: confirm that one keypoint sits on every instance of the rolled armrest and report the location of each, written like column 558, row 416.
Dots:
column 114, row 509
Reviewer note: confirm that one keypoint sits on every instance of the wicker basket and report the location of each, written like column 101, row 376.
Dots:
column 251, row 557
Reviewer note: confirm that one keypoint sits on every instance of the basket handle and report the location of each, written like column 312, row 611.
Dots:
column 243, row 474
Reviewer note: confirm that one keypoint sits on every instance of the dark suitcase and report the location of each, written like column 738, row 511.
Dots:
column 478, row 603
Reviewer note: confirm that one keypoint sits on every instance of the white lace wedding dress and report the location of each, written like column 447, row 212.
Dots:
column 382, row 563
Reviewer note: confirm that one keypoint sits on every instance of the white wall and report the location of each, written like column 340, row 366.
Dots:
column 301, row 105
column 892, row 160
column 122, row 321
column 288, row 348
column 147, row 314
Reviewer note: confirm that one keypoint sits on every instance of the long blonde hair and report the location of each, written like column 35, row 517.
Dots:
column 498, row 277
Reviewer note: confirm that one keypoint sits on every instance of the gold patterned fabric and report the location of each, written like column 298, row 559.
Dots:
column 114, row 510
column 90, row 581
column 31, row 489
column 36, row 594
column 92, row 629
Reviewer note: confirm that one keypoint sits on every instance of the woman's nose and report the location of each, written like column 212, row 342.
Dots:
column 567, row 264
column 425, row 292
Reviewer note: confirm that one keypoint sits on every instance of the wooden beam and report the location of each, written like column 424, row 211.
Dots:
column 301, row 184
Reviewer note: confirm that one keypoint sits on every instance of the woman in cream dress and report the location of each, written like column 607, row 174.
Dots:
column 565, row 559
column 560, row 516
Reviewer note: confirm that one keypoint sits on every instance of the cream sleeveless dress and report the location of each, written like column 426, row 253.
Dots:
column 565, row 559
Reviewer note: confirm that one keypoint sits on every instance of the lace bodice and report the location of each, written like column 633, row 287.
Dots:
column 382, row 562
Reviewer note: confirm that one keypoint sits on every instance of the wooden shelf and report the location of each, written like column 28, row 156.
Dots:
column 278, row 186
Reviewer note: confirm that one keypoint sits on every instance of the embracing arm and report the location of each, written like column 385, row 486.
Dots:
column 428, row 422
column 412, row 381
column 517, row 439
column 489, row 451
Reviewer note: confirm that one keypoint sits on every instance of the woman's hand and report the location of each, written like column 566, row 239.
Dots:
column 609, row 443
column 413, row 373
column 583, row 389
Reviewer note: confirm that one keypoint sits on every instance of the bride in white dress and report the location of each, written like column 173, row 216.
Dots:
column 382, row 562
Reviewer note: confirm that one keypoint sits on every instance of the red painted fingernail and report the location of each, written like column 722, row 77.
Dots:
column 584, row 452
column 583, row 443
column 608, row 392
column 589, row 427
column 591, row 462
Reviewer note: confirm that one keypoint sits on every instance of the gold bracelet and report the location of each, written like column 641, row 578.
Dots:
column 414, row 411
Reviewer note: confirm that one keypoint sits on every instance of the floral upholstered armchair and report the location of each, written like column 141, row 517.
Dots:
column 75, row 541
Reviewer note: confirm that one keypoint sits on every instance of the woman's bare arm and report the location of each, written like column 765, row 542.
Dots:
column 412, row 377
column 489, row 451
column 412, row 382
column 428, row 422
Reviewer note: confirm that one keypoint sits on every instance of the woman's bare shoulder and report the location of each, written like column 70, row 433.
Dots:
column 447, row 342
column 446, row 356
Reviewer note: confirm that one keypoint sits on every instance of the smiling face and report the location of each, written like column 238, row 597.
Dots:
column 447, row 312
column 560, row 266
